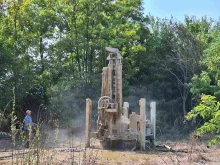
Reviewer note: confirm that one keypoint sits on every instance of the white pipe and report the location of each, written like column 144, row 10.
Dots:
column 153, row 117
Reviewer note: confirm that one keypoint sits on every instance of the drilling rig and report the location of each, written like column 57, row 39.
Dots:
column 114, row 122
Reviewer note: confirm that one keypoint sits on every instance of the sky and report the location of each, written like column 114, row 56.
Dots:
column 179, row 8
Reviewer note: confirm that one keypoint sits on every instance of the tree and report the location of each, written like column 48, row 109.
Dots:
column 207, row 87
column 209, row 110
column 16, row 66
column 24, row 29
column 86, row 28
column 177, row 51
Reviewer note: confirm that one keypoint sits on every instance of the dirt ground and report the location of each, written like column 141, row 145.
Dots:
column 74, row 153
column 79, row 155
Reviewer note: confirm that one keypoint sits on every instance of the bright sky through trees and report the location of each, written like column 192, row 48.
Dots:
column 179, row 8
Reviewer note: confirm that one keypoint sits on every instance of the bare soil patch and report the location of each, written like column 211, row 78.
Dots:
column 195, row 154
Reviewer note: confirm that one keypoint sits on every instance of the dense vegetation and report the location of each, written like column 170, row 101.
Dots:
column 52, row 53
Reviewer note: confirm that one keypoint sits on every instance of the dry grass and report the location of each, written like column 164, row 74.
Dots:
column 69, row 150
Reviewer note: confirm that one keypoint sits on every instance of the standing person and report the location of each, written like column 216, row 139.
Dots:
column 27, row 123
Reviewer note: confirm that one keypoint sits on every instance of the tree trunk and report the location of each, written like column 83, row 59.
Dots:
column 184, row 106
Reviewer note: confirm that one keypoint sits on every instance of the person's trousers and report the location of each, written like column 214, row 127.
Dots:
column 26, row 132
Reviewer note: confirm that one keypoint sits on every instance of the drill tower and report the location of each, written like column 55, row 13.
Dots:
column 114, row 122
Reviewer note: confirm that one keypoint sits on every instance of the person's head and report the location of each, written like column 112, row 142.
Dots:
column 28, row 112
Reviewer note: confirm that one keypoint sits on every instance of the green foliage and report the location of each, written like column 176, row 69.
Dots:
column 208, row 81
column 206, row 86
column 52, row 54
column 201, row 84
column 209, row 110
